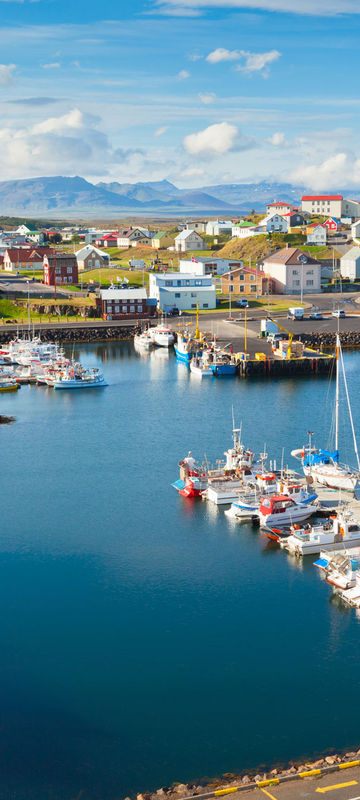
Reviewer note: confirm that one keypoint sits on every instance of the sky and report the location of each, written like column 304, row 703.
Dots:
column 198, row 92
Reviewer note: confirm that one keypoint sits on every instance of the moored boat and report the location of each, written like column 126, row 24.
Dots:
column 338, row 533
column 279, row 510
column 162, row 336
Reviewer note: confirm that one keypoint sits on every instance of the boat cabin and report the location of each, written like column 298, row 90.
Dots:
column 277, row 504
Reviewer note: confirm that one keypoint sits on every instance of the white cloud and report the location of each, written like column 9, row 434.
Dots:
column 342, row 169
column 306, row 7
column 194, row 57
column 53, row 65
column 257, row 62
column 73, row 120
column 183, row 74
column 216, row 140
column 6, row 74
column 277, row 139
column 207, row 98
column 221, row 54
column 194, row 172
column 161, row 131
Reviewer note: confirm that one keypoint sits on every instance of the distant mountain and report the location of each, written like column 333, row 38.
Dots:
column 59, row 196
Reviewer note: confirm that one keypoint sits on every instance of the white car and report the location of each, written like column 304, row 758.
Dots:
column 339, row 313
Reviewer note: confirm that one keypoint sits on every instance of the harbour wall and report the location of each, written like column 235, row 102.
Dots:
column 327, row 339
column 78, row 333
column 274, row 368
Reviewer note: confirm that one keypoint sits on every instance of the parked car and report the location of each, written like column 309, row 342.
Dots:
column 339, row 313
column 243, row 303
column 316, row 315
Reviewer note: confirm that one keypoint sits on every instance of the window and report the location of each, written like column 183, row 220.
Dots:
column 132, row 309
column 241, row 276
column 178, row 283
column 124, row 309
column 309, row 271
column 177, row 294
column 253, row 288
column 309, row 283
column 139, row 308
column 241, row 288
column 296, row 283
column 295, row 272
column 193, row 305
column 187, row 283
column 205, row 305
column 197, row 283
column 69, row 270
column 169, row 283
column 117, row 307
column 252, row 277
column 231, row 288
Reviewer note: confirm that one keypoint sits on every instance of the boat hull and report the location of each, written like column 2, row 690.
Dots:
column 78, row 385
column 223, row 369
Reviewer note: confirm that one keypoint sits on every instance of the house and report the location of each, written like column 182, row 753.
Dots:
column 189, row 240
column 350, row 264
column 355, row 230
column 333, row 224
column 317, row 234
column 274, row 223
column 293, row 271
column 24, row 258
column 216, row 227
column 277, row 207
column 196, row 225
column 245, row 280
column 295, row 219
column 119, row 303
column 162, row 239
column 130, row 237
column 90, row 257
column 333, row 205
column 203, row 265
column 243, row 229
column 183, row 290
column 108, row 240
column 31, row 232
column 60, row 269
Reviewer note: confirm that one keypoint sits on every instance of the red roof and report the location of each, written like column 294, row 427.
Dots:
column 279, row 203
column 20, row 254
column 322, row 197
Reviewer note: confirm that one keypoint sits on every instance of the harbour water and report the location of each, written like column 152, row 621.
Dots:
column 145, row 638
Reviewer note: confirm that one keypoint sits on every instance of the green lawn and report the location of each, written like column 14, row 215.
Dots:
column 107, row 275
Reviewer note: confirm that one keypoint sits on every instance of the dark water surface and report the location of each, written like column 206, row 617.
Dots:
column 145, row 639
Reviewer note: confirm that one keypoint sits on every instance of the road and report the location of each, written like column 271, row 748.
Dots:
column 340, row 785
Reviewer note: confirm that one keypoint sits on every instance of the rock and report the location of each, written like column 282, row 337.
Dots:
column 273, row 772
column 301, row 768
column 245, row 779
column 257, row 778
column 6, row 420
column 181, row 788
column 350, row 756
column 292, row 770
column 330, row 760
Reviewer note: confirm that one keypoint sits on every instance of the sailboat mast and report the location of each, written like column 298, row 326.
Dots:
column 337, row 394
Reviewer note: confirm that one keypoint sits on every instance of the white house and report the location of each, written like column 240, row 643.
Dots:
column 189, row 240
column 184, row 291
column 202, row 265
column 244, row 229
column 127, row 237
column 293, row 271
column 355, row 230
column 274, row 222
column 317, row 235
column 215, row 227
column 277, row 207
column 350, row 264
column 196, row 225
column 330, row 205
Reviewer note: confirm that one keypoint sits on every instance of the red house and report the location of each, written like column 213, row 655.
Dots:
column 333, row 224
column 108, row 240
column 60, row 269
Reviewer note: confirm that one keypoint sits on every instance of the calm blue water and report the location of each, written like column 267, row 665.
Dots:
column 145, row 639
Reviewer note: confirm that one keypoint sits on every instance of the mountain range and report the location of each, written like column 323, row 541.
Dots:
column 58, row 195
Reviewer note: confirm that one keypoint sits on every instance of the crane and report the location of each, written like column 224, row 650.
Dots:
column 290, row 335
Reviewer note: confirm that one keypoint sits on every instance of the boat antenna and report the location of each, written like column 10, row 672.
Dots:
column 337, row 393
column 197, row 332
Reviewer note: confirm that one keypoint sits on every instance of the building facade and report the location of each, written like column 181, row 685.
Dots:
column 89, row 257
column 294, row 271
column 350, row 264
column 216, row 227
column 277, row 207
column 317, row 235
column 115, row 303
column 245, row 280
column 60, row 269
column 330, row 205
column 183, row 291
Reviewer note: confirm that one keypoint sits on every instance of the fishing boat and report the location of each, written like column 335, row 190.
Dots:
column 279, row 510
column 189, row 345
column 162, row 336
column 9, row 385
column 143, row 340
column 85, row 379
column 323, row 465
column 200, row 366
column 248, row 502
column 193, row 478
column 338, row 533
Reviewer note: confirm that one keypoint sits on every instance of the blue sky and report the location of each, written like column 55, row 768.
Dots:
column 196, row 91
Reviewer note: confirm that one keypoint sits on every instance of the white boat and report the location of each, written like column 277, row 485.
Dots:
column 200, row 367
column 280, row 510
column 85, row 379
column 247, row 504
column 162, row 336
column 323, row 465
column 143, row 340
column 337, row 534
column 224, row 489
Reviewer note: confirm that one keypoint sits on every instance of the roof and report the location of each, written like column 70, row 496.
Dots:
column 289, row 255
column 123, row 294
column 244, row 224
column 179, row 289
column 160, row 234
column 89, row 248
column 184, row 276
column 244, row 269
column 333, row 219
column 185, row 234
column 354, row 252
column 279, row 203
column 109, row 236
column 322, row 197
column 20, row 254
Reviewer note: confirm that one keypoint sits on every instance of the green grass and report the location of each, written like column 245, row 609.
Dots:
column 9, row 310
column 107, row 275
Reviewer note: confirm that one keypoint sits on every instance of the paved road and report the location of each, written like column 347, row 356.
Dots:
column 341, row 785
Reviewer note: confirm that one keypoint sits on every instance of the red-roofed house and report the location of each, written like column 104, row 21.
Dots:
column 333, row 224
column 330, row 205
column 108, row 240
column 24, row 258
column 277, row 207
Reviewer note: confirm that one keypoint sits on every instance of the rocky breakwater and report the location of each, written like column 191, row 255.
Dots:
column 90, row 333
column 323, row 341
column 250, row 778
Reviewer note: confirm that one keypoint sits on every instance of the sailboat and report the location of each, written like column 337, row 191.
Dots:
column 323, row 465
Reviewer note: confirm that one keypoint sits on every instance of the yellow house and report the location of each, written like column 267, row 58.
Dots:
column 162, row 239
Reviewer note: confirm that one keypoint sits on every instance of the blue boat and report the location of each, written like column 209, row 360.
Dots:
column 223, row 368
column 186, row 347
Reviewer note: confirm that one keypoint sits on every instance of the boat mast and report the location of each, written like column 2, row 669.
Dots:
column 337, row 394
column 350, row 412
